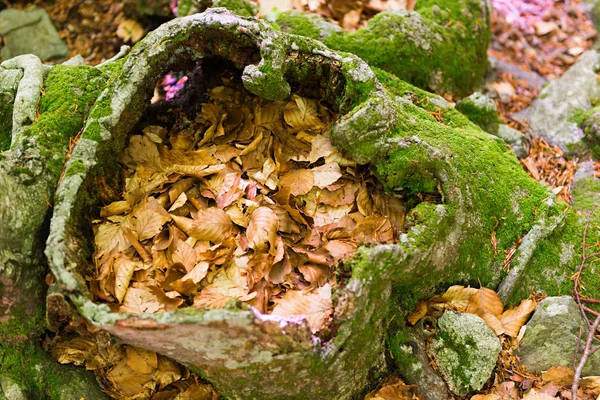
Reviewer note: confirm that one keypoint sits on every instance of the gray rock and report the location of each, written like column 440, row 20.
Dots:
column 551, row 336
column 552, row 113
column 515, row 139
column 30, row 32
column 465, row 350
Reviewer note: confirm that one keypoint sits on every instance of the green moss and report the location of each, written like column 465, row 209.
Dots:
column 578, row 116
column 75, row 168
column 240, row 7
column 302, row 24
column 419, row 48
column 68, row 95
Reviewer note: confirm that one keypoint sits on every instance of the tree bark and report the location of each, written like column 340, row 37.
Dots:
column 28, row 176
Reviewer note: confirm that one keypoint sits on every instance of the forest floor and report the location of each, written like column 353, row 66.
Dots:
column 542, row 38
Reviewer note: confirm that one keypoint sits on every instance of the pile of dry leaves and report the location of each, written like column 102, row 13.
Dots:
column 351, row 14
column 549, row 165
column 544, row 38
column 249, row 201
column 127, row 372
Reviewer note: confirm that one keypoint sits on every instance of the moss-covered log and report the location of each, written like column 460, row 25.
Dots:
column 418, row 145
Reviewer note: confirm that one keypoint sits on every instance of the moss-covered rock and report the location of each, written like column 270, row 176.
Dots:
column 441, row 46
column 561, row 106
column 466, row 350
column 551, row 337
column 244, row 8
column 9, row 79
column 481, row 110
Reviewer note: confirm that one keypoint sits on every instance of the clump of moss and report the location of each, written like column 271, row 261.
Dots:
column 441, row 47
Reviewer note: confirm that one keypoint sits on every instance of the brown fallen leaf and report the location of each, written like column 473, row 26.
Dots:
column 515, row 318
column 560, row 375
column 485, row 301
column 419, row 312
column 315, row 307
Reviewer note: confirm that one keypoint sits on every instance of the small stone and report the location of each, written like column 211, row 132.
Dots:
column 515, row 139
column 481, row 110
column 19, row 27
column 551, row 336
column 466, row 350
column 552, row 115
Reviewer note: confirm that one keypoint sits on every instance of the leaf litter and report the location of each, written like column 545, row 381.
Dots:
column 247, row 201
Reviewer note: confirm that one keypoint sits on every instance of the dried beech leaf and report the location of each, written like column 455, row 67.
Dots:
column 485, row 301
column 560, row 375
column 316, row 307
column 123, row 272
column 493, row 322
column 149, row 223
column 534, row 394
column 141, row 360
column 262, row 229
column 212, row 224
column 300, row 181
column 456, row 298
column 326, row 175
column 419, row 312
column 486, row 397
column 515, row 318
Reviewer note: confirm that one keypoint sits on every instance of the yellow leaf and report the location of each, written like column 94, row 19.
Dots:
column 590, row 382
column 129, row 382
column 141, row 360
column 262, row 229
column 485, row 301
column 561, row 375
column 316, row 307
column 300, row 181
column 515, row 318
column 167, row 373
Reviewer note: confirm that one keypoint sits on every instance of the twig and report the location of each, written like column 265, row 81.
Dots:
column 591, row 327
